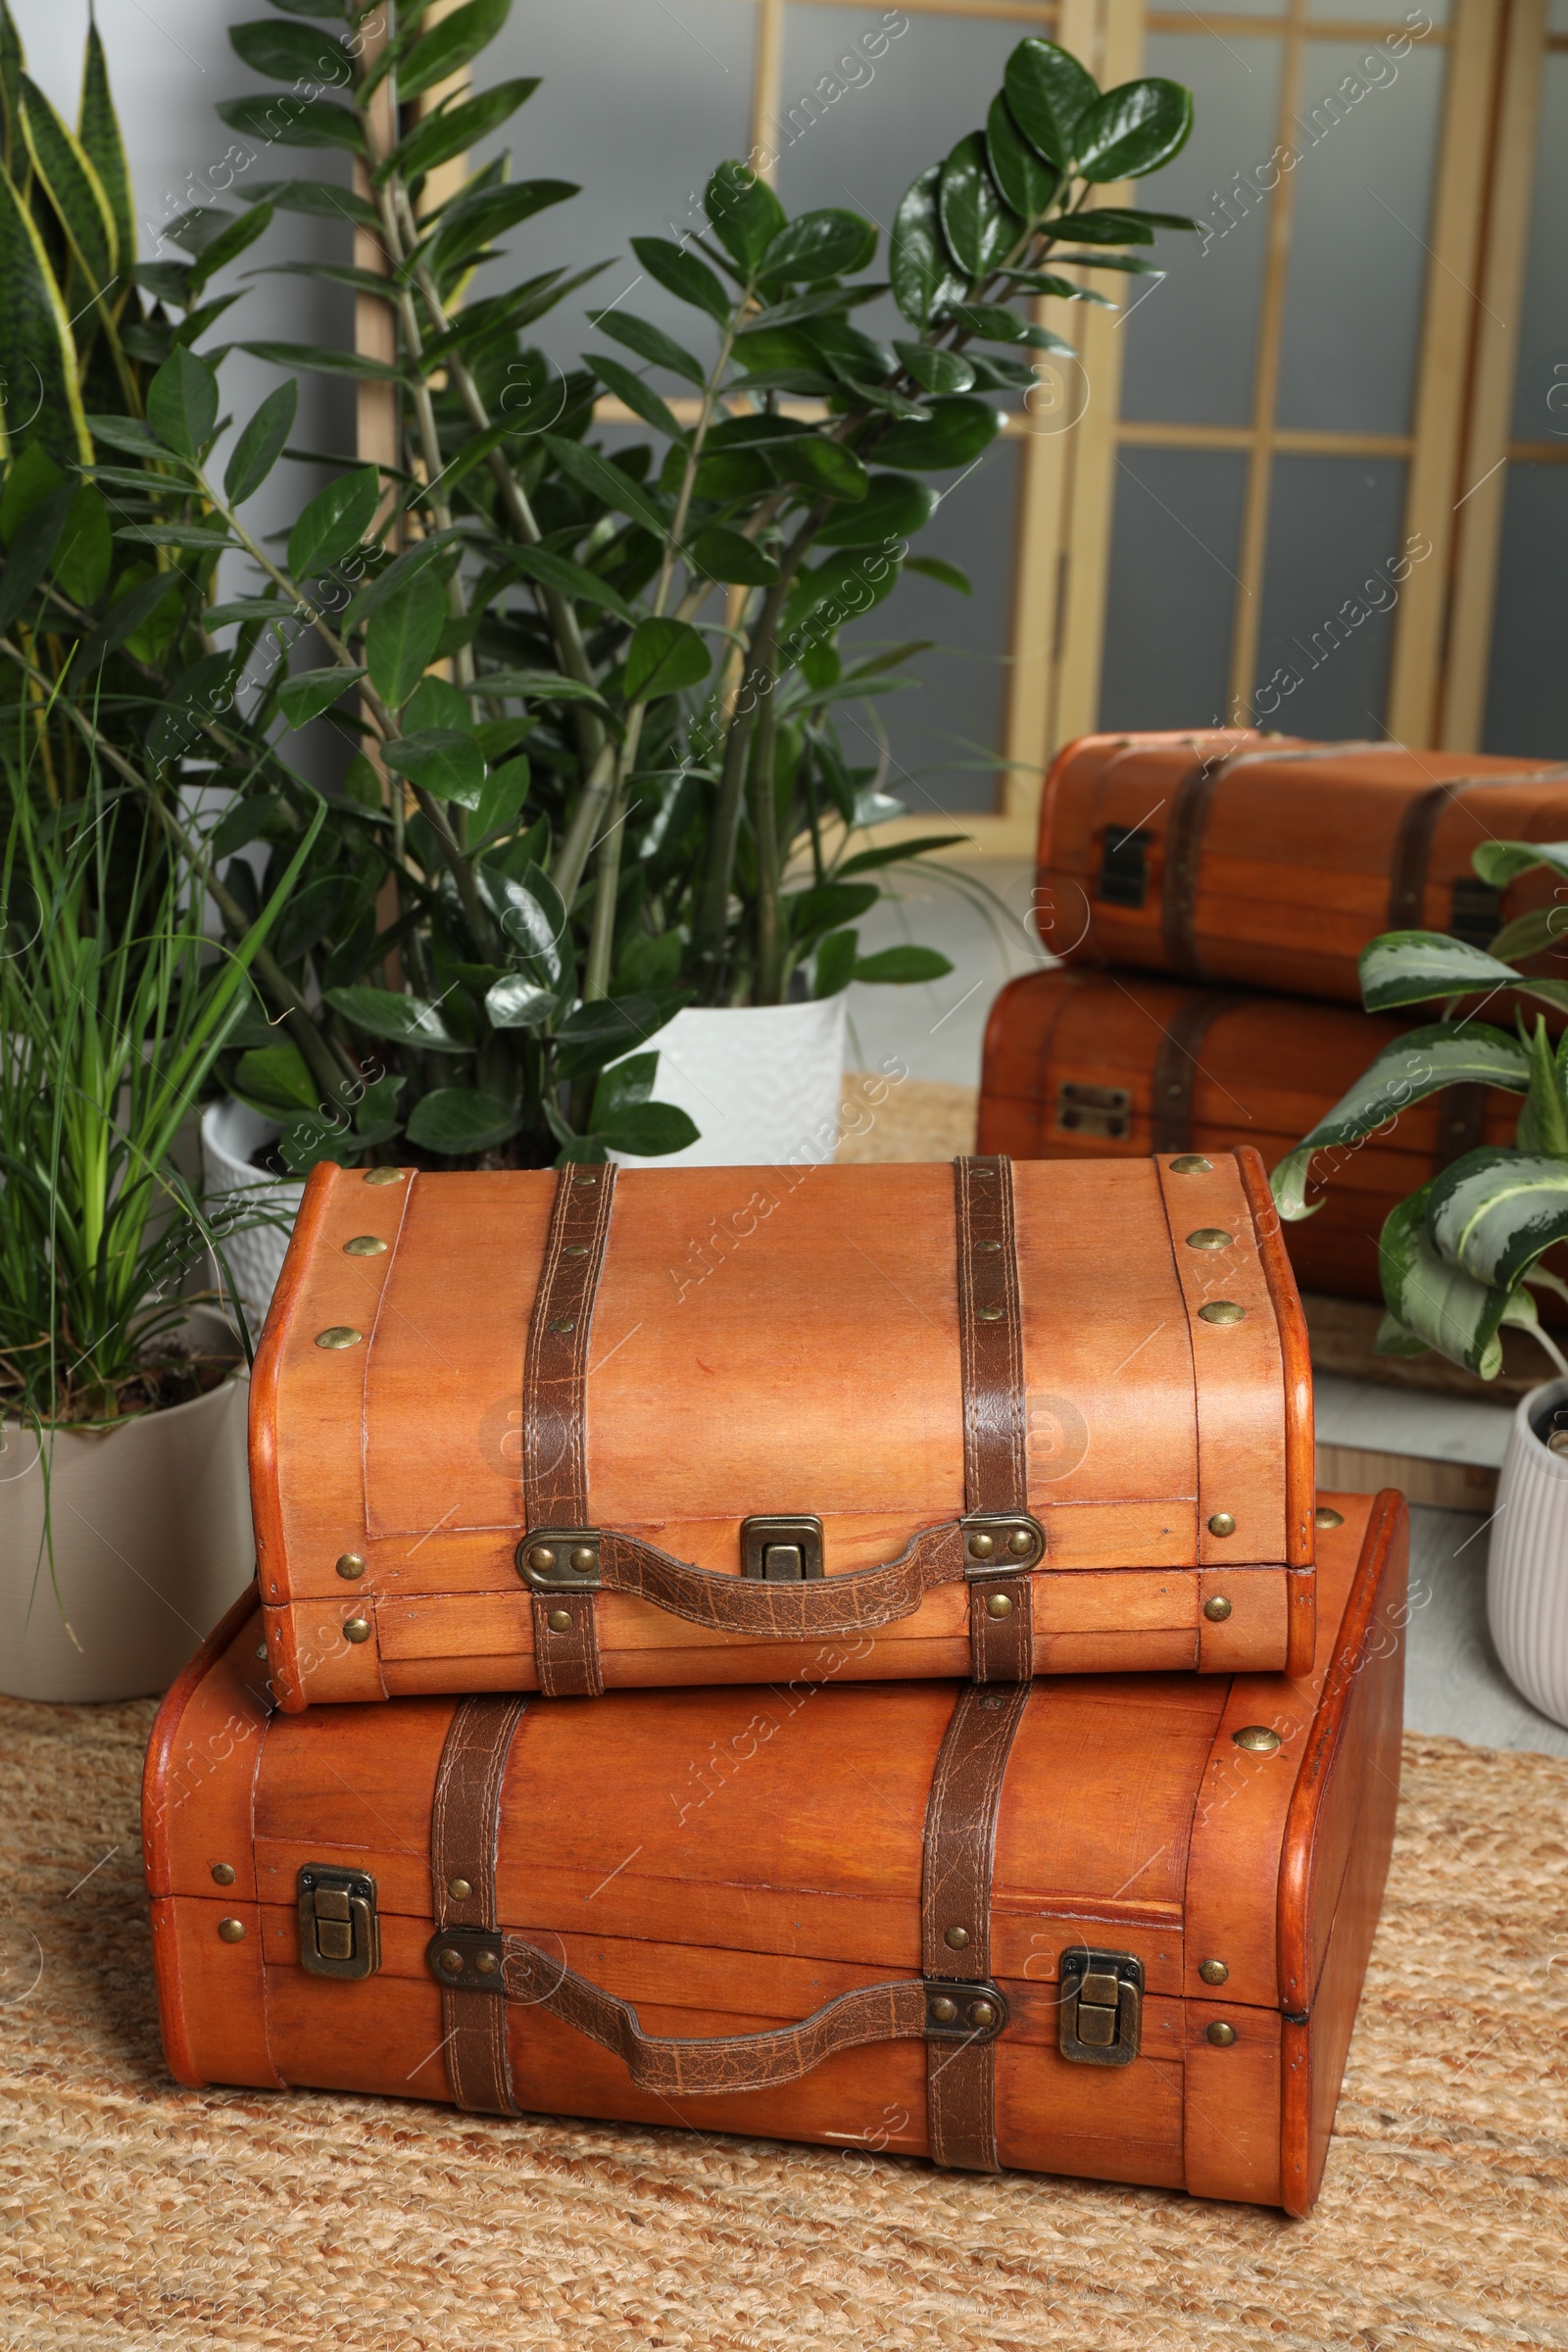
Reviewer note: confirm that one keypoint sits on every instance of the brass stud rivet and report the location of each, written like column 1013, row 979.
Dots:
column 231, row 1931
column 1019, row 1541
column 459, row 1887
column 956, row 1937
column 1192, row 1164
column 350, row 1564
column 559, row 1620
column 1326, row 1516
column 585, row 1180
column 541, row 1557
column 222, row 1874
column 1213, row 1972
column 992, row 1700
column 584, row 1557
column 561, row 1323
column 364, row 1245
column 383, row 1175
column 339, row 1335
column 982, row 1546
column 485, row 1963
column 450, row 1960
column 1216, row 1609
column 1221, row 2034
column 1257, row 1738
column 1222, row 1310
column 942, row 2010
column 998, row 1605
column 576, row 1249
column 991, row 1314
column 982, row 2013
column 988, row 1244
column 358, row 1629
column 1208, row 1237
column 1222, row 1524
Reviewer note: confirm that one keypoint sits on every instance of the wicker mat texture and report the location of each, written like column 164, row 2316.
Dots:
column 136, row 2214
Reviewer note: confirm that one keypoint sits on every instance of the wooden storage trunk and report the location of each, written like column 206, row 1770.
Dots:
column 1237, row 856
column 1080, row 1064
column 1112, row 1926
column 522, row 1431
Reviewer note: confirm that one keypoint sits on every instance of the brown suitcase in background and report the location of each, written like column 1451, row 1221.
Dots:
column 1110, row 1925
column 1081, row 1064
column 519, row 1431
column 1228, row 856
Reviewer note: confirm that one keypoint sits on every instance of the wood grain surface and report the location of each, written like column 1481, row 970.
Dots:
column 728, row 1860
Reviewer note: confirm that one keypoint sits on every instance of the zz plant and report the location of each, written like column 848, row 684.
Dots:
column 594, row 689
column 1462, row 1256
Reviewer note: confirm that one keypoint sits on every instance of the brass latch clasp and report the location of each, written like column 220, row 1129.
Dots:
column 340, row 1935
column 1101, row 1995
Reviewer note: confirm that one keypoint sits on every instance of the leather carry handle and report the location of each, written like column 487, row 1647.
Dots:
column 954, row 2008
column 702, row 2067
column 743, row 1604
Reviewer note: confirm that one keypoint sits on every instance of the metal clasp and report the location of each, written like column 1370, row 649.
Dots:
column 468, row 1957
column 340, row 1935
column 1002, row 1542
column 1102, row 1996
column 559, row 1559
column 1085, row 1109
column 1124, row 866
column 975, row 2011
column 781, row 1551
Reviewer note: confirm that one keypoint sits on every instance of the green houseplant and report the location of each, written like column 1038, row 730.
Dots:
column 592, row 691
column 1462, row 1256
column 123, row 1520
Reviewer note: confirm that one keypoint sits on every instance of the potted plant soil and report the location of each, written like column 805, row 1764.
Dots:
column 1463, row 1259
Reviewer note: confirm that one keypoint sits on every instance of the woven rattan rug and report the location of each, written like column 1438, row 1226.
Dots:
column 136, row 2214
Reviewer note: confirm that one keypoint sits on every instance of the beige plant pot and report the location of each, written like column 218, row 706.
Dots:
column 152, row 1542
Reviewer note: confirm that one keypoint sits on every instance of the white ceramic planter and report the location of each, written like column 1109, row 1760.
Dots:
column 231, row 1133
column 762, row 1081
column 152, row 1542
column 1527, row 1565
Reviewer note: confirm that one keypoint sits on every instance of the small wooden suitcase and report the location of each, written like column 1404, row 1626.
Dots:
column 562, row 1431
column 1112, row 1926
column 1269, row 862
column 1079, row 1064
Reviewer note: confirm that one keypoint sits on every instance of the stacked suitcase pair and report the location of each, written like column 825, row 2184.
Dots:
column 853, row 1654
column 1210, row 895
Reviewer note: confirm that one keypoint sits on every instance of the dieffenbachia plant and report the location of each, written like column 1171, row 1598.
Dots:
column 1462, row 1256
column 604, row 679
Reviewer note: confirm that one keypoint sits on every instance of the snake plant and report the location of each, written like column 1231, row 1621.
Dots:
column 1462, row 1256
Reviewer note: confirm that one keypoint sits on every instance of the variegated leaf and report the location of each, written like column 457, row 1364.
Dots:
column 1414, row 1066
column 1435, row 1302
column 1494, row 1211
column 1406, row 967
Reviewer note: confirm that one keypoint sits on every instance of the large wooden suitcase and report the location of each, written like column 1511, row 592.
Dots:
column 522, row 1431
column 1270, row 861
column 1114, row 1925
column 1081, row 1064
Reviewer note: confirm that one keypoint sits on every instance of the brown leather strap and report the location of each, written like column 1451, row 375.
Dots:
column 996, row 1460
column 1184, row 838
column 1176, row 1065
column 1412, row 844
column 465, row 1826
column 961, row 1837
column 707, row 2066
column 554, row 1385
